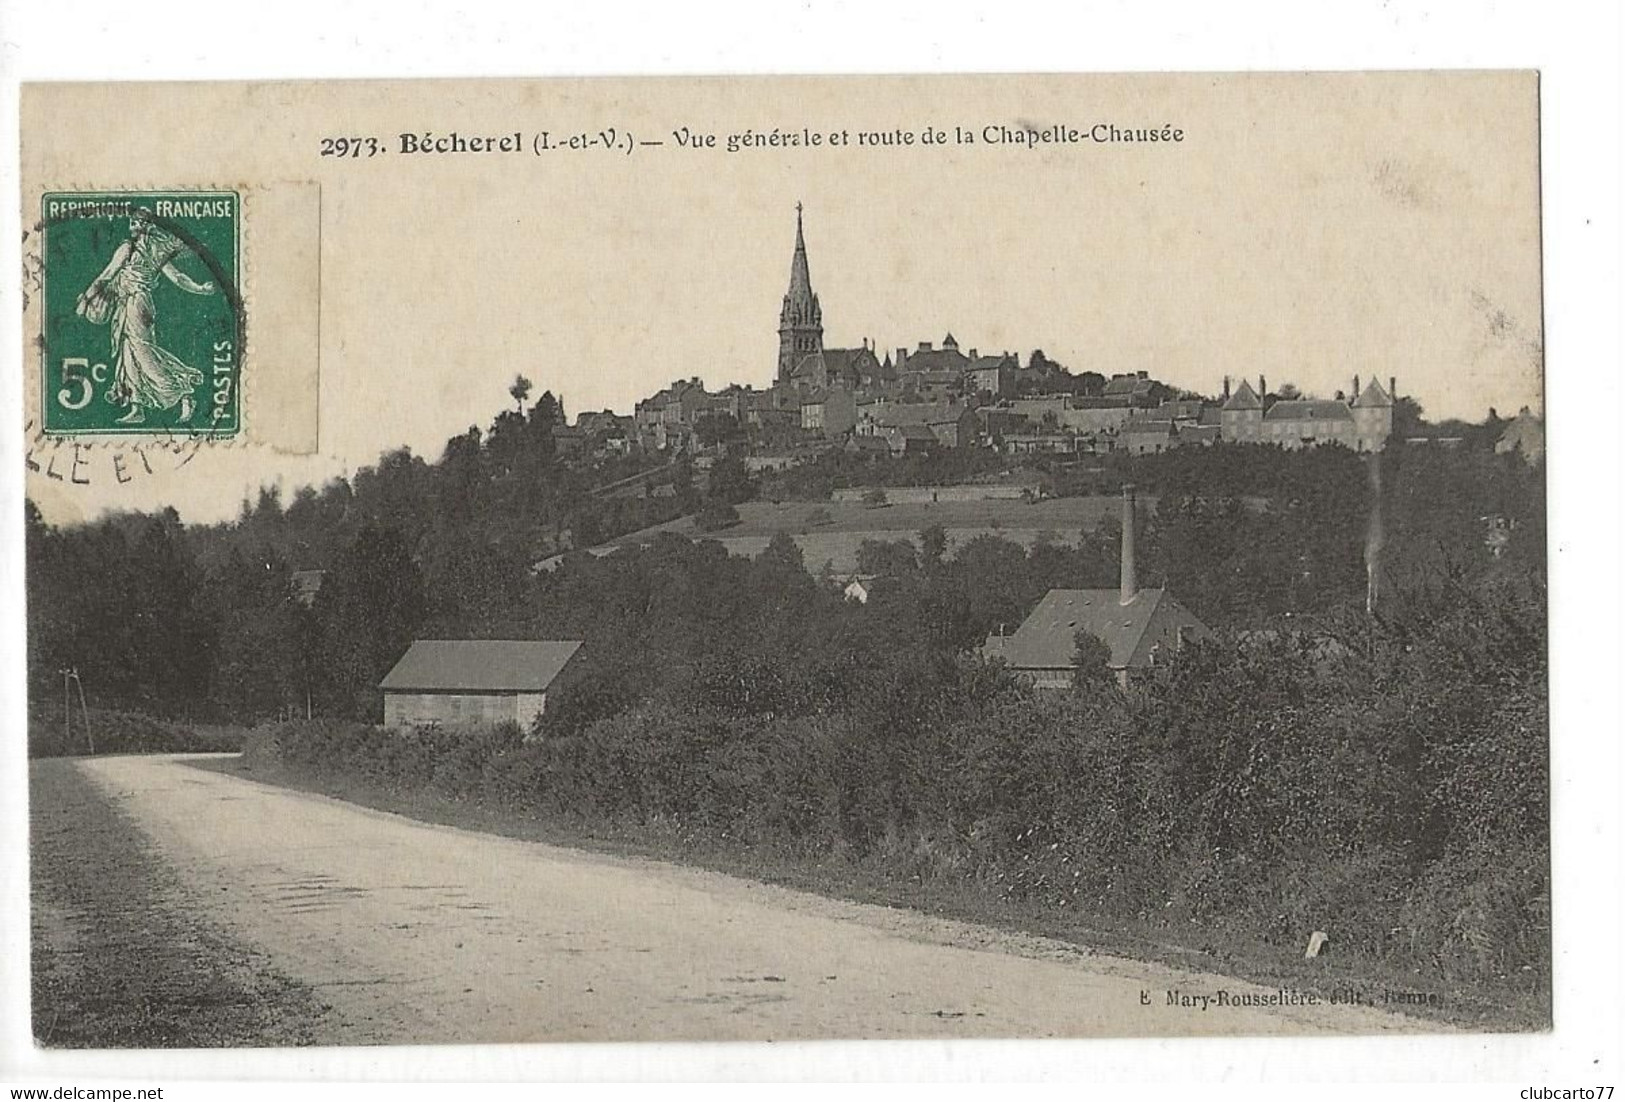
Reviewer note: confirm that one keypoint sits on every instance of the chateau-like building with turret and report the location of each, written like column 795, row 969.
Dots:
column 1363, row 423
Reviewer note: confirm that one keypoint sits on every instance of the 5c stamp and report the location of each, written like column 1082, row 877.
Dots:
column 142, row 316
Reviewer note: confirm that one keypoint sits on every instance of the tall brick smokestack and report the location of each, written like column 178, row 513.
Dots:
column 1127, row 587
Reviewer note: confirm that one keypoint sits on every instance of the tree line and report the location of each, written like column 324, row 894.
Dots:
column 1386, row 767
column 203, row 620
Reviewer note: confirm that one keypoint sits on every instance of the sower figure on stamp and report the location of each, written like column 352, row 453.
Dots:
column 146, row 376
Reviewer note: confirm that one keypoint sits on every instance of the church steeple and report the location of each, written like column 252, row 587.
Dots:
column 801, row 321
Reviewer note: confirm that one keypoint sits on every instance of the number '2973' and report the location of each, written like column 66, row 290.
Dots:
column 351, row 147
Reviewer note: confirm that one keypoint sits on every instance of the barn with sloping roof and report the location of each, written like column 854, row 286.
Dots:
column 1148, row 628
column 1140, row 627
column 474, row 682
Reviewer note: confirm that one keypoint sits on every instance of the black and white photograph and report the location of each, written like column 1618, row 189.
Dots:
column 777, row 559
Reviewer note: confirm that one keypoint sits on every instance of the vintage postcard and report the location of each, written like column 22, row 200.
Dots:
column 721, row 559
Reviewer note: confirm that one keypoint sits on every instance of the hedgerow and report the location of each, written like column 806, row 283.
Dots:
column 1393, row 795
column 100, row 731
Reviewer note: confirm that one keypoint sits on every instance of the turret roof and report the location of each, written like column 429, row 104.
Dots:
column 1373, row 396
column 1244, row 398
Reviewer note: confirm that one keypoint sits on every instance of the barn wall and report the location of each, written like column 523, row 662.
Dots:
column 452, row 709
column 528, row 707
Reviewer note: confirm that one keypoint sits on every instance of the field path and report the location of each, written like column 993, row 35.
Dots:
column 418, row 933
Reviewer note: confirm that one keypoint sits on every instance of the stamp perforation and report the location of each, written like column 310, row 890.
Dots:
column 233, row 284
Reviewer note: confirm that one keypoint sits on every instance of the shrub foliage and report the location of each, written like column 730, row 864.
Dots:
column 1390, row 788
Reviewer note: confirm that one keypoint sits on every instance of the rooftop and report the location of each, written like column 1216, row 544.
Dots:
column 1373, row 395
column 1308, row 410
column 1047, row 639
column 1245, row 397
column 480, row 665
column 945, row 359
column 838, row 361
column 1136, row 384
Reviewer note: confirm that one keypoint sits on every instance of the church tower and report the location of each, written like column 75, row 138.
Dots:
column 801, row 321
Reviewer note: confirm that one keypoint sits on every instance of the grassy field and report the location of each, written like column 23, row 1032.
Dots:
column 1477, row 1009
column 830, row 532
column 120, row 957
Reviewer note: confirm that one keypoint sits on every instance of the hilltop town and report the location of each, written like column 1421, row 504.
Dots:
column 942, row 396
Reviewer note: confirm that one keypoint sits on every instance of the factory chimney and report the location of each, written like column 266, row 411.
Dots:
column 1127, row 586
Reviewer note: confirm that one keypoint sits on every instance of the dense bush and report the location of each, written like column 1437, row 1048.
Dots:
column 49, row 735
column 1390, row 789
column 716, row 515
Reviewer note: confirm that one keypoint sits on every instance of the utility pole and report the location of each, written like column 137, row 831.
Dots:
column 67, row 709
column 84, row 709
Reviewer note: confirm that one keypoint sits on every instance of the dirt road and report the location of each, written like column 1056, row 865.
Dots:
column 417, row 933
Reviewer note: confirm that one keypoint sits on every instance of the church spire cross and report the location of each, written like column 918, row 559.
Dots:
column 800, row 279
column 801, row 326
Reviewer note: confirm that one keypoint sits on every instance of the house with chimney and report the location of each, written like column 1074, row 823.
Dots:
column 1134, row 388
column 992, row 375
column 1140, row 627
column 931, row 362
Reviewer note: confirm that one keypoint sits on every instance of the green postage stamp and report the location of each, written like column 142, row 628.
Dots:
column 142, row 314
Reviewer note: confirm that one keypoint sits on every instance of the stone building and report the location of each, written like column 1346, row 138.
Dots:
column 1363, row 424
column 831, row 413
column 1140, row 627
column 473, row 682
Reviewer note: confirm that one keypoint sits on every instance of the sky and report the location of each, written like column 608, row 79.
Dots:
column 1305, row 228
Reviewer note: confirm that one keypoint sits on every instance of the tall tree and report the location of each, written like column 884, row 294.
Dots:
column 519, row 391
column 371, row 605
column 729, row 482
